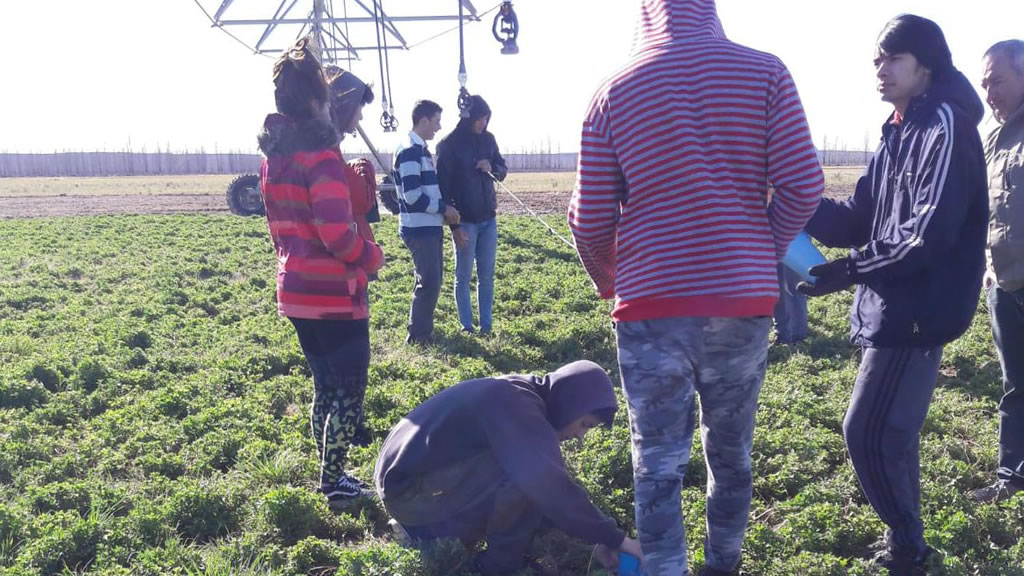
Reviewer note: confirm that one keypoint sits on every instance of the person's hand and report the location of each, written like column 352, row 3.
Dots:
column 990, row 279
column 632, row 547
column 829, row 277
column 451, row 216
column 483, row 166
column 608, row 557
column 461, row 237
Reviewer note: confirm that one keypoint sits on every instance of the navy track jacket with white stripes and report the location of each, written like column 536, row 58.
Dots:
column 917, row 223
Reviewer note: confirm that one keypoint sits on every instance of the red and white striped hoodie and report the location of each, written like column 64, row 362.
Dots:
column 670, row 211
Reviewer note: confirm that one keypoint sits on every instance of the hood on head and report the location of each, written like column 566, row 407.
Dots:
column 666, row 22
column 578, row 389
column 955, row 89
column 478, row 107
column 282, row 136
column 348, row 94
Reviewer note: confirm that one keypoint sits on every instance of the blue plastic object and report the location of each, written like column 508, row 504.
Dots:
column 802, row 255
column 629, row 565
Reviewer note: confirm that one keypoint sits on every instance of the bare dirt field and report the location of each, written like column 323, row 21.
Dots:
column 544, row 192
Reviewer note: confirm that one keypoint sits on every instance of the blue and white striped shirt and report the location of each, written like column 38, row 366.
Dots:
column 419, row 196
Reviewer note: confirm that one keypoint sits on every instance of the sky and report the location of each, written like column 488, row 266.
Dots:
column 153, row 74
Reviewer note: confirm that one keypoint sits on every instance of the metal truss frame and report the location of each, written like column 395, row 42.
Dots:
column 325, row 25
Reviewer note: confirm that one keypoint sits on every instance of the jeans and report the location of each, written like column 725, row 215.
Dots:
column 1007, row 313
column 665, row 363
column 791, row 309
column 427, row 248
column 482, row 247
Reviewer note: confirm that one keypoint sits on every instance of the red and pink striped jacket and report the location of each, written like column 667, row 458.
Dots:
column 670, row 211
column 322, row 259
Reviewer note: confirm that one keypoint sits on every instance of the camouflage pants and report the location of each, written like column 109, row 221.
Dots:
column 665, row 364
column 338, row 353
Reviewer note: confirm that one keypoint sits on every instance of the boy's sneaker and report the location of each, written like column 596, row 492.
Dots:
column 345, row 491
column 709, row 571
column 994, row 494
column 907, row 566
column 360, row 483
column 419, row 341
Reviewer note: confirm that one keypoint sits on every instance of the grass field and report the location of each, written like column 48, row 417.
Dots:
column 838, row 178
column 153, row 413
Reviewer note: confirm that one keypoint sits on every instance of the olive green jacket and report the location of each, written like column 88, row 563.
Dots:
column 1004, row 153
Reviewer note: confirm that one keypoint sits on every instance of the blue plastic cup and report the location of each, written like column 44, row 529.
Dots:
column 802, row 255
column 629, row 565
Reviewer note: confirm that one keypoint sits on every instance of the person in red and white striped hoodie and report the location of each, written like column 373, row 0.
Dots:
column 322, row 260
column 669, row 217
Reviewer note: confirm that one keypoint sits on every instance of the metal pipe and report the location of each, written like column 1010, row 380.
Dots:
column 318, row 29
column 223, row 6
column 345, row 45
column 332, row 50
column 386, row 20
column 353, row 19
column 469, row 6
column 380, row 162
column 278, row 14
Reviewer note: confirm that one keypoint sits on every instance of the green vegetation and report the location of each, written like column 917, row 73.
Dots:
column 154, row 413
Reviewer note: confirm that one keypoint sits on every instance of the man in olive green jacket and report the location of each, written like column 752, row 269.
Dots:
column 1004, row 152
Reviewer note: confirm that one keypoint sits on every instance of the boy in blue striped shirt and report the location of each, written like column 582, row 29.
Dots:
column 423, row 213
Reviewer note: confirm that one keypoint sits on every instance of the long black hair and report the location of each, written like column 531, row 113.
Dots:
column 920, row 37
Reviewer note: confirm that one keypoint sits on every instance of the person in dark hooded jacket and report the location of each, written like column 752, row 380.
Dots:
column 916, row 226
column 322, row 260
column 468, row 161
column 481, row 461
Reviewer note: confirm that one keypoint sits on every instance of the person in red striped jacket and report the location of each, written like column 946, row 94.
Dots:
column 671, row 220
column 323, row 261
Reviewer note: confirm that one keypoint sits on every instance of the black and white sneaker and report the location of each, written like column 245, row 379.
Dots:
column 359, row 482
column 345, row 491
column 903, row 566
column 994, row 494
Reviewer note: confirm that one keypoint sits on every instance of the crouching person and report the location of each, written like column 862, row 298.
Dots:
column 481, row 461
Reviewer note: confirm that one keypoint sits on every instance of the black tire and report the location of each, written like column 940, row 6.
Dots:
column 244, row 196
column 389, row 195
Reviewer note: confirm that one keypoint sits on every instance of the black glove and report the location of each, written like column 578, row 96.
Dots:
column 829, row 277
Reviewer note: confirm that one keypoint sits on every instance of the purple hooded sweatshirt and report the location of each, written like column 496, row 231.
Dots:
column 512, row 422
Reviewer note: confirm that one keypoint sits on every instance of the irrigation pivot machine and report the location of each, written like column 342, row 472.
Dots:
column 344, row 32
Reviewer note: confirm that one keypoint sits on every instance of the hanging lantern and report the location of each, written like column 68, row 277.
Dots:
column 506, row 28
